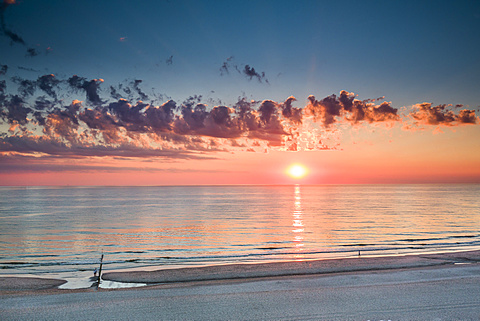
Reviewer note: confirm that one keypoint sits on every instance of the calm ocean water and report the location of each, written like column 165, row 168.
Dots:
column 48, row 230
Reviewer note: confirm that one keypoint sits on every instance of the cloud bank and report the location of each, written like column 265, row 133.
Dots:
column 123, row 121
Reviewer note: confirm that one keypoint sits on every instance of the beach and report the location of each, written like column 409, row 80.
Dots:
column 440, row 286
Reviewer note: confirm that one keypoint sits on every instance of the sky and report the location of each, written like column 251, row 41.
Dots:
column 234, row 92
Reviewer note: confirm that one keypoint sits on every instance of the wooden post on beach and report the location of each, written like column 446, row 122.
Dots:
column 99, row 272
column 100, row 269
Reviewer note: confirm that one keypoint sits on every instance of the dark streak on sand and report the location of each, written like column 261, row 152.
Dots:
column 28, row 284
column 261, row 270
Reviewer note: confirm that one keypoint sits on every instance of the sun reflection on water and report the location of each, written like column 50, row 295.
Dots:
column 297, row 224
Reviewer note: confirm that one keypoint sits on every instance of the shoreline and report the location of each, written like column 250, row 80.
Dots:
column 251, row 271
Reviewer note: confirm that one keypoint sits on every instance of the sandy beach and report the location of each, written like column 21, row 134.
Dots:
column 417, row 287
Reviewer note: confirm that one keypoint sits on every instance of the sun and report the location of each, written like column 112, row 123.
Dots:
column 297, row 171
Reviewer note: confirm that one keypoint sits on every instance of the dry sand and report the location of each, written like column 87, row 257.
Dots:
column 423, row 287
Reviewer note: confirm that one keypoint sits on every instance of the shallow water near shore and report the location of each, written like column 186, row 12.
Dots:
column 63, row 231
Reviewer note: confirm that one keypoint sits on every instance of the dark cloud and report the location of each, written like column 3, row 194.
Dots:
column 63, row 123
column 28, row 69
column 221, row 115
column 160, row 118
column 467, row 116
column 14, row 110
column 325, row 110
column 136, row 85
column 192, row 119
column 290, row 112
column 130, row 90
column 251, row 72
column 31, row 52
column 14, row 38
column 48, row 83
column 330, row 109
column 246, row 70
column 227, row 66
column 3, row 69
column 426, row 114
column 26, row 88
column 267, row 109
column 42, row 103
column 91, row 88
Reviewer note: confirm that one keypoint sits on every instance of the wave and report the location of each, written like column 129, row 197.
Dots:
column 438, row 238
column 269, row 254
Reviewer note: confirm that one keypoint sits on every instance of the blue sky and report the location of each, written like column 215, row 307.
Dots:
column 408, row 51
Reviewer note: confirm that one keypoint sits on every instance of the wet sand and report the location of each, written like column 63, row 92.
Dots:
column 28, row 284
column 242, row 271
column 252, row 271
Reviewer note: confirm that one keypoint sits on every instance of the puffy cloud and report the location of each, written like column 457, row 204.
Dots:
column 330, row 109
column 63, row 123
column 290, row 112
column 267, row 109
column 324, row 110
column 426, row 114
column 127, row 126
column 160, row 118
column 467, row 116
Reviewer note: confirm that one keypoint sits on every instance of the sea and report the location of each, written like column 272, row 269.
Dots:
column 62, row 232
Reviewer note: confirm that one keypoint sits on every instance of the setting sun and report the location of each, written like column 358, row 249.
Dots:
column 297, row 171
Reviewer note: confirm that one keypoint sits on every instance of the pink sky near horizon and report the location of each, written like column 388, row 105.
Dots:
column 394, row 157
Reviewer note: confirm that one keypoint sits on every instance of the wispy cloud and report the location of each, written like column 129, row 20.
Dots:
column 249, row 72
column 14, row 37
